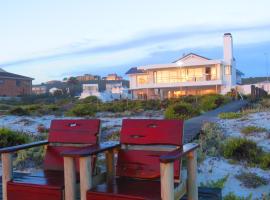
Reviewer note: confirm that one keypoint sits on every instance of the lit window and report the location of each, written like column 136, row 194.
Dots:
column 227, row 70
column 142, row 79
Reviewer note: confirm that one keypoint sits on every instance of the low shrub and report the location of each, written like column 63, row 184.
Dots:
column 32, row 157
column 11, row 138
column 212, row 101
column 232, row 196
column 91, row 99
column 242, row 149
column 252, row 129
column 210, row 141
column 265, row 161
column 220, row 183
column 251, row 180
column 19, row 111
column 180, row 110
column 81, row 110
column 265, row 103
column 230, row 115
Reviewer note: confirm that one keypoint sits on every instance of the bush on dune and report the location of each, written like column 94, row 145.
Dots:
column 82, row 110
column 180, row 110
column 11, row 138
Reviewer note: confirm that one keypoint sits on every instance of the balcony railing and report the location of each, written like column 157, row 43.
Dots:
column 207, row 77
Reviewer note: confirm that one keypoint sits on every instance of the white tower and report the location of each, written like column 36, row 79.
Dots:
column 229, row 64
column 228, row 49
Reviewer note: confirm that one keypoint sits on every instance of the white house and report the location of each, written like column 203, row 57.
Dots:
column 89, row 90
column 190, row 75
column 113, row 91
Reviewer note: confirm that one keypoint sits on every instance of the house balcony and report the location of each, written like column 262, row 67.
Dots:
column 206, row 80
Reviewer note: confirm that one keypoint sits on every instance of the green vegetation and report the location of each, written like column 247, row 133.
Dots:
column 230, row 115
column 24, row 158
column 59, row 105
column 251, row 180
column 242, row 149
column 11, row 138
column 81, row 110
column 210, row 141
column 232, row 196
column 181, row 110
column 220, row 183
column 252, row 129
column 191, row 106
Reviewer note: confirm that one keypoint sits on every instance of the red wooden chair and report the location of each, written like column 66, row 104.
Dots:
column 49, row 184
column 148, row 164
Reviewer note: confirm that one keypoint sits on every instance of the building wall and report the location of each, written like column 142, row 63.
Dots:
column 15, row 87
column 39, row 90
column 174, row 92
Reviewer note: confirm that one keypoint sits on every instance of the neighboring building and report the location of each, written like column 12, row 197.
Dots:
column 12, row 85
column 112, row 77
column 87, row 77
column 118, row 91
column 55, row 90
column 190, row 75
column 39, row 89
column 246, row 89
column 89, row 90
column 113, row 91
column 53, row 82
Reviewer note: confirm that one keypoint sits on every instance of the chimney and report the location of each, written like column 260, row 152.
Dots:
column 228, row 48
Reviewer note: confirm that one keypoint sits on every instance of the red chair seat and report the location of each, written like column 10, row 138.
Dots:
column 125, row 188
column 42, row 186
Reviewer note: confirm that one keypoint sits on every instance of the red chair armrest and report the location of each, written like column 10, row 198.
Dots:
column 90, row 150
column 23, row 146
column 178, row 153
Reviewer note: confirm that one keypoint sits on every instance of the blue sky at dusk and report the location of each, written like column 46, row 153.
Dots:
column 53, row 39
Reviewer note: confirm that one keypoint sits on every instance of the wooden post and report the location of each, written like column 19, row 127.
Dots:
column 167, row 181
column 85, row 176
column 192, row 176
column 6, row 172
column 110, row 164
column 70, row 178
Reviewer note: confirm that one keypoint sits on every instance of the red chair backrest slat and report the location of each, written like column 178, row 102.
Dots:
column 81, row 131
column 141, row 164
column 151, row 131
column 145, row 164
column 69, row 132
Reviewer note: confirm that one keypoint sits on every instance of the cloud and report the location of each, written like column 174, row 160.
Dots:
column 154, row 38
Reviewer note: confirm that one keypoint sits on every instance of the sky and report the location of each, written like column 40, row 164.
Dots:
column 50, row 40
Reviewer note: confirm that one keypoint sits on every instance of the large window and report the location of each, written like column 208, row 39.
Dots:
column 142, row 79
column 2, row 81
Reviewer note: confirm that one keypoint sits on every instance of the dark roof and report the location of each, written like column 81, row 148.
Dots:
column 134, row 70
column 189, row 55
column 14, row 76
column 228, row 34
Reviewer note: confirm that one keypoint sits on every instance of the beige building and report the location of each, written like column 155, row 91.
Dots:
column 113, row 77
column 190, row 75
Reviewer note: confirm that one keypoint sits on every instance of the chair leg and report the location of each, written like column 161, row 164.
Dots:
column 85, row 176
column 110, row 164
column 6, row 172
column 192, row 176
column 70, row 178
column 167, row 181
